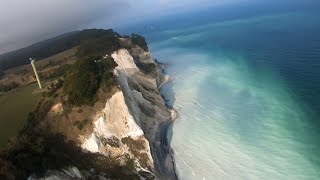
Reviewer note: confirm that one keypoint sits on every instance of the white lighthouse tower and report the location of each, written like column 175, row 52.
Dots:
column 35, row 71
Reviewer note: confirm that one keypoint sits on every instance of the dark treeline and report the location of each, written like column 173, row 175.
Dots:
column 53, row 46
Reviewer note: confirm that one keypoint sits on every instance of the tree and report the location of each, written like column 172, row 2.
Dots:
column 82, row 82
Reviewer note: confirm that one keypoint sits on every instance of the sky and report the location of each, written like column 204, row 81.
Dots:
column 24, row 22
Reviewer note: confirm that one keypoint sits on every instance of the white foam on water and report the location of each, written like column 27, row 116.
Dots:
column 232, row 126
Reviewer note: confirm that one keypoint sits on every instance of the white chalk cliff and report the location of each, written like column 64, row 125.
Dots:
column 113, row 124
column 136, row 114
column 140, row 78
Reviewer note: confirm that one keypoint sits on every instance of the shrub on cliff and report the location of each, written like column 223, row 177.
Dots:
column 108, row 78
column 140, row 41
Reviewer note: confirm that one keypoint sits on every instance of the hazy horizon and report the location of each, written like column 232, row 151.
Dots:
column 26, row 23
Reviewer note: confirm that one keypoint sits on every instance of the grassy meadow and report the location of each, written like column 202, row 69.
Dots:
column 14, row 108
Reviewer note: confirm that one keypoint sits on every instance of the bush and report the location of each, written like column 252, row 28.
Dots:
column 108, row 80
column 106, row 67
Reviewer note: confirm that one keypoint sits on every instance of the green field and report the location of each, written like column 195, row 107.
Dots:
column 14, row 108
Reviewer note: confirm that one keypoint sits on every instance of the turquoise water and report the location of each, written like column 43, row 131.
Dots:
column 248, row 93
column 240, row 117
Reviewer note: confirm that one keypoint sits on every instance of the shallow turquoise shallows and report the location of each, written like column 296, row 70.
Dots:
column 248, row 94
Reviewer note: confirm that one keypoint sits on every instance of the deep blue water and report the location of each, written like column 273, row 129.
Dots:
column 247, row 87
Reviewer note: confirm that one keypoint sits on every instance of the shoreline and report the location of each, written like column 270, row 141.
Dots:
column 165, row 144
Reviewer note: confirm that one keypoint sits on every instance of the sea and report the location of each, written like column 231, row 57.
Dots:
column 246, row 84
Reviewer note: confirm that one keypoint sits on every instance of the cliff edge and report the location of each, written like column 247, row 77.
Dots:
column 140, row 82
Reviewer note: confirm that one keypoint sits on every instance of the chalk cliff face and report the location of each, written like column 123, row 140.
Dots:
column 135, row 118
column 134, row 122
column 140, row 78
column 116, row 134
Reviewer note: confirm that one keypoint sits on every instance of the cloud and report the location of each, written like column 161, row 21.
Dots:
column 27, row 21
column 24, row 22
